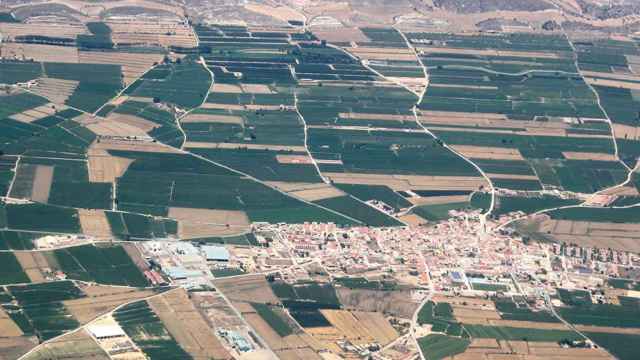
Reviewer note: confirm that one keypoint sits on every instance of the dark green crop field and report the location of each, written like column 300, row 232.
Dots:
column 103, row 265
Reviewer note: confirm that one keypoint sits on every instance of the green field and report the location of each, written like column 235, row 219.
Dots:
column 437, row 346
column 103, row 265
column 273, row 318
column 40, row 310
column 11, row 272
column 511, row 333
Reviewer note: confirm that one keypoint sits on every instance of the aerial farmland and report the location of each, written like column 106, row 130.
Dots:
column 365, row 179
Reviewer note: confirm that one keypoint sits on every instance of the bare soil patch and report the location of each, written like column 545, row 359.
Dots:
column 325, row 192
column 8, row 328
column 251, row 288
column 56, row 90
column 613, row 83
column 624, row 237
column 487, row 152
column 208, row 145
column 42, row 183
column 293, row 159
column 226, row 88
column 197, row 223
column 118, row 125
column 283, row 13
column 340, row 34
column 133, row 145
column 212, row 118
column 626, row 132
column 409, row 182
column 573, row 155
column 104, row 167
column 94, row 223
column 395, row 303
column 40, row 52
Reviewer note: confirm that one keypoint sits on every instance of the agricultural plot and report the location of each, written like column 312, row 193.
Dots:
column 40, row 310
column 18, row 72
column 517, row 96
column 267, row 165
column 39, row 218
column 132, row 226
column 16, row 240
column 67, row 139
column 614, row 228
column 146, row 329
column 60, row 182
column 12, row 272
column 437, row 346
column 304, row 301
column 97, row 83
column 376, row 192
column 194, row 183
column 167, row 32
column 100, row 37
column 103, row 265
column 75, row 346
column 84, row 86
column 523, row 334
column 509, row 204
column 183, row 84
column 611, row 67
column 548, row 156
column 351, row 207
column 187, row 326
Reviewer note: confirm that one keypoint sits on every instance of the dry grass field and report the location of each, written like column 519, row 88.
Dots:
column 39, row 52
column 198, row 223
column 8, row 328
column 94, row 223
column 121, row 125
column 319, row 193
column 12, row 348
column 187, row 326
column 133, row 145
column 70, row 31
column 100, row 300
column 409, row 182
column 253, row 288
column 56, row 90
column 104, row 167
column 36, row 113
column 42, row 183
column 490, row 349
column 213, row 118
column 487, row 152
column 208, row 145
column 361, row 327
column 624, row 237
column 283, row 13
column 163, row 33
column 396, row 303
column 74, row 346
